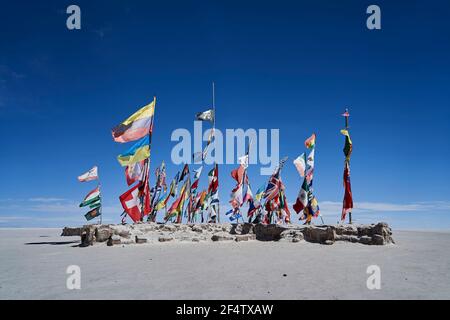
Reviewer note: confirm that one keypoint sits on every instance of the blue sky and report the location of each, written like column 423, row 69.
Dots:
column 291, row 65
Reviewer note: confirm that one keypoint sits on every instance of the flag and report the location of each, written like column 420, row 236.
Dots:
column 207, row 115
column 272, row 189
column 284, row 203
column 174, row 185
column 138, row 152
column 235, row 216
column 184, row 173
column 310, row 160
column 194, row 185
column 92, row 174
column 213, row 177
column 300, row 164
column 131, row 203
column 136, row 126
column 135, row 172
column 314, row 206
column 348, row 147
column 311, row 141
column 302, row 198
column 260, row 192
column 177, row 207
column 201, row 155
column 92, row 214
column 252, row 208
column 248, row 195
column 198, row 172
column 243, row 161
column 238, row 174
column 161, row 202
column 91, row 197
column 96, row 204
column 236, row 196
column 347, row 204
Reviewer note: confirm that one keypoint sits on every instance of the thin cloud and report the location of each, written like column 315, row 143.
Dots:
column 46, row 199
column 333, row 207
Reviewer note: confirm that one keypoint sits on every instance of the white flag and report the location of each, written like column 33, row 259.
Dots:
column 90, row 175
column 207, row 115
column 243, row 161
column 300, row 164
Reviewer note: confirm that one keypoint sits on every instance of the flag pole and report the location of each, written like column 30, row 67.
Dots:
column 348, row 160
column 147, row 167
column 214, row 132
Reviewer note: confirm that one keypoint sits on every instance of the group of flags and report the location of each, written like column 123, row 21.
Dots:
column 269, row 204
column 136, row 201
column 93, row 198
column 188, row 201
column 275, row 201
column 306, row 201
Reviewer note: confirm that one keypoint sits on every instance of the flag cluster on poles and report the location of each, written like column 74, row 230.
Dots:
column 275, row 201
column 347, row 204
column 136, row 201
column 306, row 200
column 93, row 198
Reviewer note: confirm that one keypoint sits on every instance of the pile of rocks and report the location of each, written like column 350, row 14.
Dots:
column 374, row 234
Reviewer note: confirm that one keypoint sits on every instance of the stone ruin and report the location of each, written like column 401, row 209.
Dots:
column 373, row 234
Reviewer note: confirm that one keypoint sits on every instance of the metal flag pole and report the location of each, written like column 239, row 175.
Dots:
column 214, row 137
column 347, row 161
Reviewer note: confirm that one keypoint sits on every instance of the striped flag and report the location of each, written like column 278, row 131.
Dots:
column 138, row 152
column 91, row 197
column 136, row 126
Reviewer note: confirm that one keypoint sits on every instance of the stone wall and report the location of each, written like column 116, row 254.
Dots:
column 374, row 234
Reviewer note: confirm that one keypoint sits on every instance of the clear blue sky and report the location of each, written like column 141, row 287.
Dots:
column 292, row 65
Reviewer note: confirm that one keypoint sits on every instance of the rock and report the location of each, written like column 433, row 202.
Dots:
column 113, row 240
column 71, row 232
column 222, row 236
column 269, row 232
column 87, row 236
column 165, row 239
column 245, row 237
column 291, row 235
column 103, row 233
column 347, row 238
column 168, row 227
column 139, row 239
column 378, row 240
column 374, row 234
column 319, row 234
column 197, row 228
column 242, row 228
column 365, row 240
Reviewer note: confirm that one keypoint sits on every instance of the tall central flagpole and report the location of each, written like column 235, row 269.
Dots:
column 147, row 177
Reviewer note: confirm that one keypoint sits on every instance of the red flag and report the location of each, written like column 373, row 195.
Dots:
column 195, row 185
column 347, row 204
column 238, row 174
column 131, row 203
